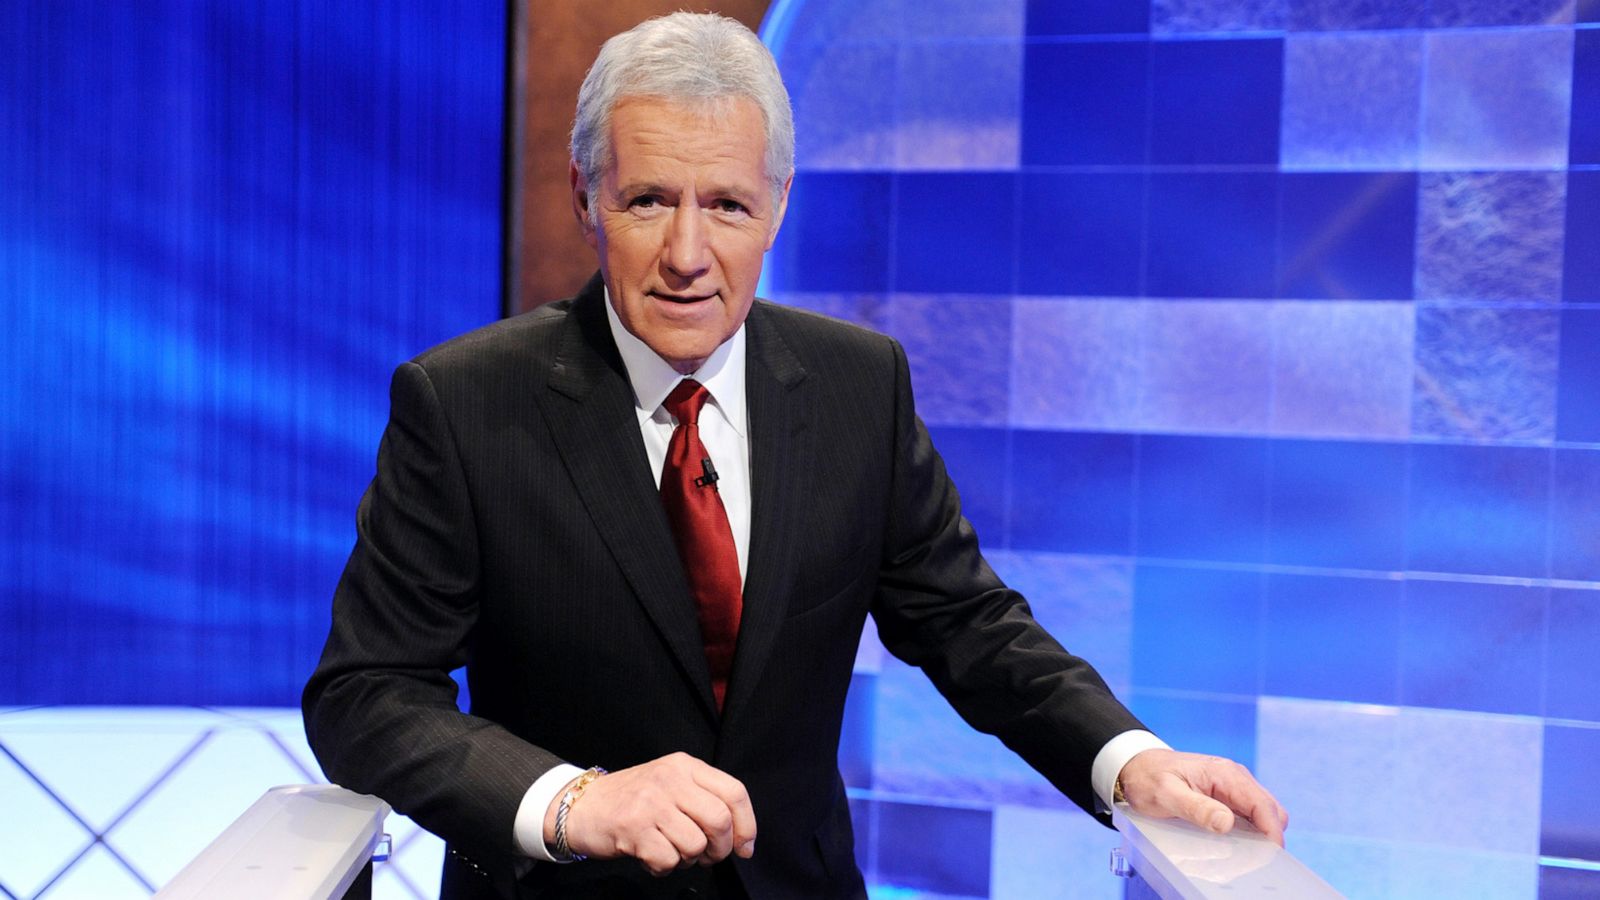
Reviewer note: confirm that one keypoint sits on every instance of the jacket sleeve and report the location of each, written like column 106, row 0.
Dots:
column 380, row 709
column 940, row 607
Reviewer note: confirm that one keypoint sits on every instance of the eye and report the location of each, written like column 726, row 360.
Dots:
column 726, row 205
column 644, row 201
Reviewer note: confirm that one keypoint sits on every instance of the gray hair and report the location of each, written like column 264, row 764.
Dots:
column 700, row 57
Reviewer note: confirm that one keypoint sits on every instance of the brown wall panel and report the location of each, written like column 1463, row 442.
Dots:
column 555, row 41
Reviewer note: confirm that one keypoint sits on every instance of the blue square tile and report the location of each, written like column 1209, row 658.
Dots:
column 1211, row 234
column 1332, row 638
column 1351, row 101
column 1072, row 491
column 940, row 849
column 977, row 459
column 924, row 749
column 1075, row 364
column 867, row 310
column 1351, row 15
column 1047, row 853
column 1080, row 233
column 1572, row 668
column 966, row 218
column 856, row 734
column 813, row 253
column 1085, row 103
column 1478, row 510
column 1578, row 415
column 1197, row 630
column 1206, row 366
column 1215, row 101
column 1345, row 236
column 1585, row 146
column 1085, row 602
column 960, row 352
column 1490, row 235
column 1438, row 751
column 838, row 124
column 1338, row 504
column 1215, row 726
column 1342, row 369
column 845, row 22
column 1588, row 11
column 957, row 105
column 1192, row 16
column 864, row 824
column 1324, row 761
column 1053, row 17
column 1581, row 279
column 1472, row 646
column 1467, row 13
column 1571, row 771
column 1562, row 883
column 1575, row 516
column 998, row 22
column 1486, row 373
column 1202, row 498
column 1496, row 99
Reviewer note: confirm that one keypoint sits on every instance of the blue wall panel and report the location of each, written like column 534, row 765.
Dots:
column 223, row 224
column 1211, row 234
column 1338, row 504
column 1100, row 89
column 1302, row 336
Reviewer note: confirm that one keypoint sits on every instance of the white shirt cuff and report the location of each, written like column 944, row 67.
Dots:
column 528, row 830
column 1114, row 755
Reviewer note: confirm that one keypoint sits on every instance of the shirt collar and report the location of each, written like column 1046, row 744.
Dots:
column 653, row 378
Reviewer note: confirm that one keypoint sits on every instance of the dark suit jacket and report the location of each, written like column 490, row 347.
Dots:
column 514, row 528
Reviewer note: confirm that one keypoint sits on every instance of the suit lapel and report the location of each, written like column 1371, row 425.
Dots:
column 591, row 415
column 780, row 463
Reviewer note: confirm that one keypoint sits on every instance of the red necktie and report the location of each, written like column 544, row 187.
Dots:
column 700, row 528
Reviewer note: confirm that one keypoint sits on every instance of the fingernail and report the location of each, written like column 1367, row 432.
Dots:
column 1219, row 823
column 747, row 849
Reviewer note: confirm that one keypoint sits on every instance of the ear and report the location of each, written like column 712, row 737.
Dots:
column 778, row 211
column 581, row 204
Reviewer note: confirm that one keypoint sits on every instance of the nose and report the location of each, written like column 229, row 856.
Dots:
column 687, row 253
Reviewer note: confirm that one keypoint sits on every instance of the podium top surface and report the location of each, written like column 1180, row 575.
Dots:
column 1183, row 861
column 299, row 841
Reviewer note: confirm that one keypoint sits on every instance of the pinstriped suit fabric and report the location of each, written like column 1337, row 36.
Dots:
column 513, row 526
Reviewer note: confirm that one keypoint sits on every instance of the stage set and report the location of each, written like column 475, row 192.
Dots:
column 1262, row 338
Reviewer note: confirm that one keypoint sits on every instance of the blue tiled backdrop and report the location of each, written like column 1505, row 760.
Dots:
column 1263, row 340
column 1261, row 337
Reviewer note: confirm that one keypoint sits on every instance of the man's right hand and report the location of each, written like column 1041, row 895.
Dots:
column 668, row 813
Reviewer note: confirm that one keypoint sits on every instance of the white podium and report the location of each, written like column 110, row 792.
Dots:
column 299, row 842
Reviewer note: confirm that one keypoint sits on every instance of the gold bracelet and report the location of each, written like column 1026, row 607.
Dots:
column 563, row 853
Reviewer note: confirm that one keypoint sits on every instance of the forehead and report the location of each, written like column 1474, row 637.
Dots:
column 659, row 136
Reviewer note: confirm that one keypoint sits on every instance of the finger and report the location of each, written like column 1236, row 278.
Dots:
column 656, row 853
column 742, row 833
column 1233, row 785
column 713, row 818
column 689, row 842
column 1183, row 801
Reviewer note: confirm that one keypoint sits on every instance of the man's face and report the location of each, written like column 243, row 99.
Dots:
column 681, row 221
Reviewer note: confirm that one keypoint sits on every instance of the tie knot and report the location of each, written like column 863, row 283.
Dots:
column 686, row 401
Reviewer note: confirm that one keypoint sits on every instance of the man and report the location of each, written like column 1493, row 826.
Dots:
column 665, row 576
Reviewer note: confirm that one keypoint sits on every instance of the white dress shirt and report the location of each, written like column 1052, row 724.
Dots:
column 725, row 431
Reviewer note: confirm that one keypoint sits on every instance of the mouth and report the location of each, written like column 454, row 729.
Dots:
column 684, row 299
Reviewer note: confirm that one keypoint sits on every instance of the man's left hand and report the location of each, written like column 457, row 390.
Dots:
column 1205, row 790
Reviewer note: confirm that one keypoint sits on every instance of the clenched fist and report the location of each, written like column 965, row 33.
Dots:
column 668, row 813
